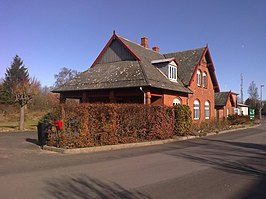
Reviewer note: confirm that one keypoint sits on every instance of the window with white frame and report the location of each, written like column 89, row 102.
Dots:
column 196, row 108
column 176, row 102
column 198, row 78
column 204, row 80
column 207, row 110
column 172, row 72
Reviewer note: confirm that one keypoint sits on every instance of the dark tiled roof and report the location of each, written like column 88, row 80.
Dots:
column 221, row 98
column 111, row 75
column 187, row 62
column 155, row 77
column 135, row 73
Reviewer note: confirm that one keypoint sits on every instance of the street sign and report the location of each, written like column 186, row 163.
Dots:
column 252, row 114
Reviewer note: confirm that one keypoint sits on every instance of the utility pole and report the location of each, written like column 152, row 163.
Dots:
column 241, row 91
column 261, row 86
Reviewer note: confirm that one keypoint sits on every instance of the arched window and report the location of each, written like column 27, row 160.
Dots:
column 207, row 110
column 196, row 108
column 176, row 102
column 198, row 78
column 204, row 80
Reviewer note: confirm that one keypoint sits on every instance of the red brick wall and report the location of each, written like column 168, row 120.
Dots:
column 223, row 113
column 168, row 99
column 202, row 94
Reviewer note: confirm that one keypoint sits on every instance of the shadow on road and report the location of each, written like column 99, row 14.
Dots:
column 88, row 188
column 33, row 141
column 235, row 157
column 242, row 158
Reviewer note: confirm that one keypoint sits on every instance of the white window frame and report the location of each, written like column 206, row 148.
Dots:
column 198, row 77
column 172, row 72
column 176, row 101
column 207, row 110
column 204, row 80
column 196, row 110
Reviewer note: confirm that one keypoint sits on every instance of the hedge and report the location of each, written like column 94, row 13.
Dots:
column 183, row 120
column 87, row 125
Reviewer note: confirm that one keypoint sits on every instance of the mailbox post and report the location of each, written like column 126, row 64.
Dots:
column 59, row 127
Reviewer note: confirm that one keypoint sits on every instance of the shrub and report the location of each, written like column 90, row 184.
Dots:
column 183, row 120
column 210, row 126
column 238, row 119
column 88, row 125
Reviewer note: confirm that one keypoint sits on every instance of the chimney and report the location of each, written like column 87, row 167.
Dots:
column 144, row 42
column 156, row 49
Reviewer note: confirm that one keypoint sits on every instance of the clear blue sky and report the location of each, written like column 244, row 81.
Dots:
column 51, row 34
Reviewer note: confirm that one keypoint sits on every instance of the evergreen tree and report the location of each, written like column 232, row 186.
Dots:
column 16, row 75
column 20, row 87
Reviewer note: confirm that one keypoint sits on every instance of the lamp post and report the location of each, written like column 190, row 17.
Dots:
column 261, row 86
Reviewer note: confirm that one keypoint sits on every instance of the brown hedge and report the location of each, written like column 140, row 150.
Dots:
column 86, row 125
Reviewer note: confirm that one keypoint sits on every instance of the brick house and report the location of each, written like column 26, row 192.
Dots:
column 225, row 104
column 127, row 72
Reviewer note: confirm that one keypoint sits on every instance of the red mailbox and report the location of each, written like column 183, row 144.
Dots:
column 58, row 125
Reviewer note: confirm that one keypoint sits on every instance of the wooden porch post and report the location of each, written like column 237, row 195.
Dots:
column 112, row 96
column 148, row 97
column 62, row 98
column 84, row 97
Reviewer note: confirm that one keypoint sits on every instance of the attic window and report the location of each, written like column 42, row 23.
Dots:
column 198, row 78
column 204, row 80
column 172, row 72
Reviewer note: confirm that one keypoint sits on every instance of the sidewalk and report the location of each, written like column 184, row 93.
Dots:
column 134, row 145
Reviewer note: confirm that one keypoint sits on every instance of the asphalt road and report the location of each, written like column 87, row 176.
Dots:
column 231, row 165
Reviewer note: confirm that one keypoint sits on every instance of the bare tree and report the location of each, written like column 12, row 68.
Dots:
column 253, row 100
column 24, row 93
column 64, row 76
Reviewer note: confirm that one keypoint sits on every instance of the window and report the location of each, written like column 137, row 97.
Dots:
column 207, row 110
column 199, row 78
column 227, row 112
column 172, row 72
column 196, row 110
column 204, row 80
column 176, row 102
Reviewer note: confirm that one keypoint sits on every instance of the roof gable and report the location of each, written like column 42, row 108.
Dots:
column 117, row 51
column 221, row 98
column 188, row 62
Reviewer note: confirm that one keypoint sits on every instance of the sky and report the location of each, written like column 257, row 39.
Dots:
column 51, row 34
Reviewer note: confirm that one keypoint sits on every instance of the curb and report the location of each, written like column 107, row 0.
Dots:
column 135, row 145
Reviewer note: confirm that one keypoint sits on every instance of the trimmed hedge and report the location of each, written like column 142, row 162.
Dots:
column 87, row 125
column 183, row 120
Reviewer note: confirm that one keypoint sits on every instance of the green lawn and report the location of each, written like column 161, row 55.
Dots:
column 30, row 125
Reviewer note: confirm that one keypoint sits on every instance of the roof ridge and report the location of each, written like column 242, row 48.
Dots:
column 139, row 45
column 185, row 50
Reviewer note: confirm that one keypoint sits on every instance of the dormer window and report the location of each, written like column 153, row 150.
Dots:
column 168, row 67
column 172, row 72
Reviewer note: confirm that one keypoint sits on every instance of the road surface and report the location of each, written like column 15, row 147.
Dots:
column 231, row 165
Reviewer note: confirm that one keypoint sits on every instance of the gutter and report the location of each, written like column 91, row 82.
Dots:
column 144, row 94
